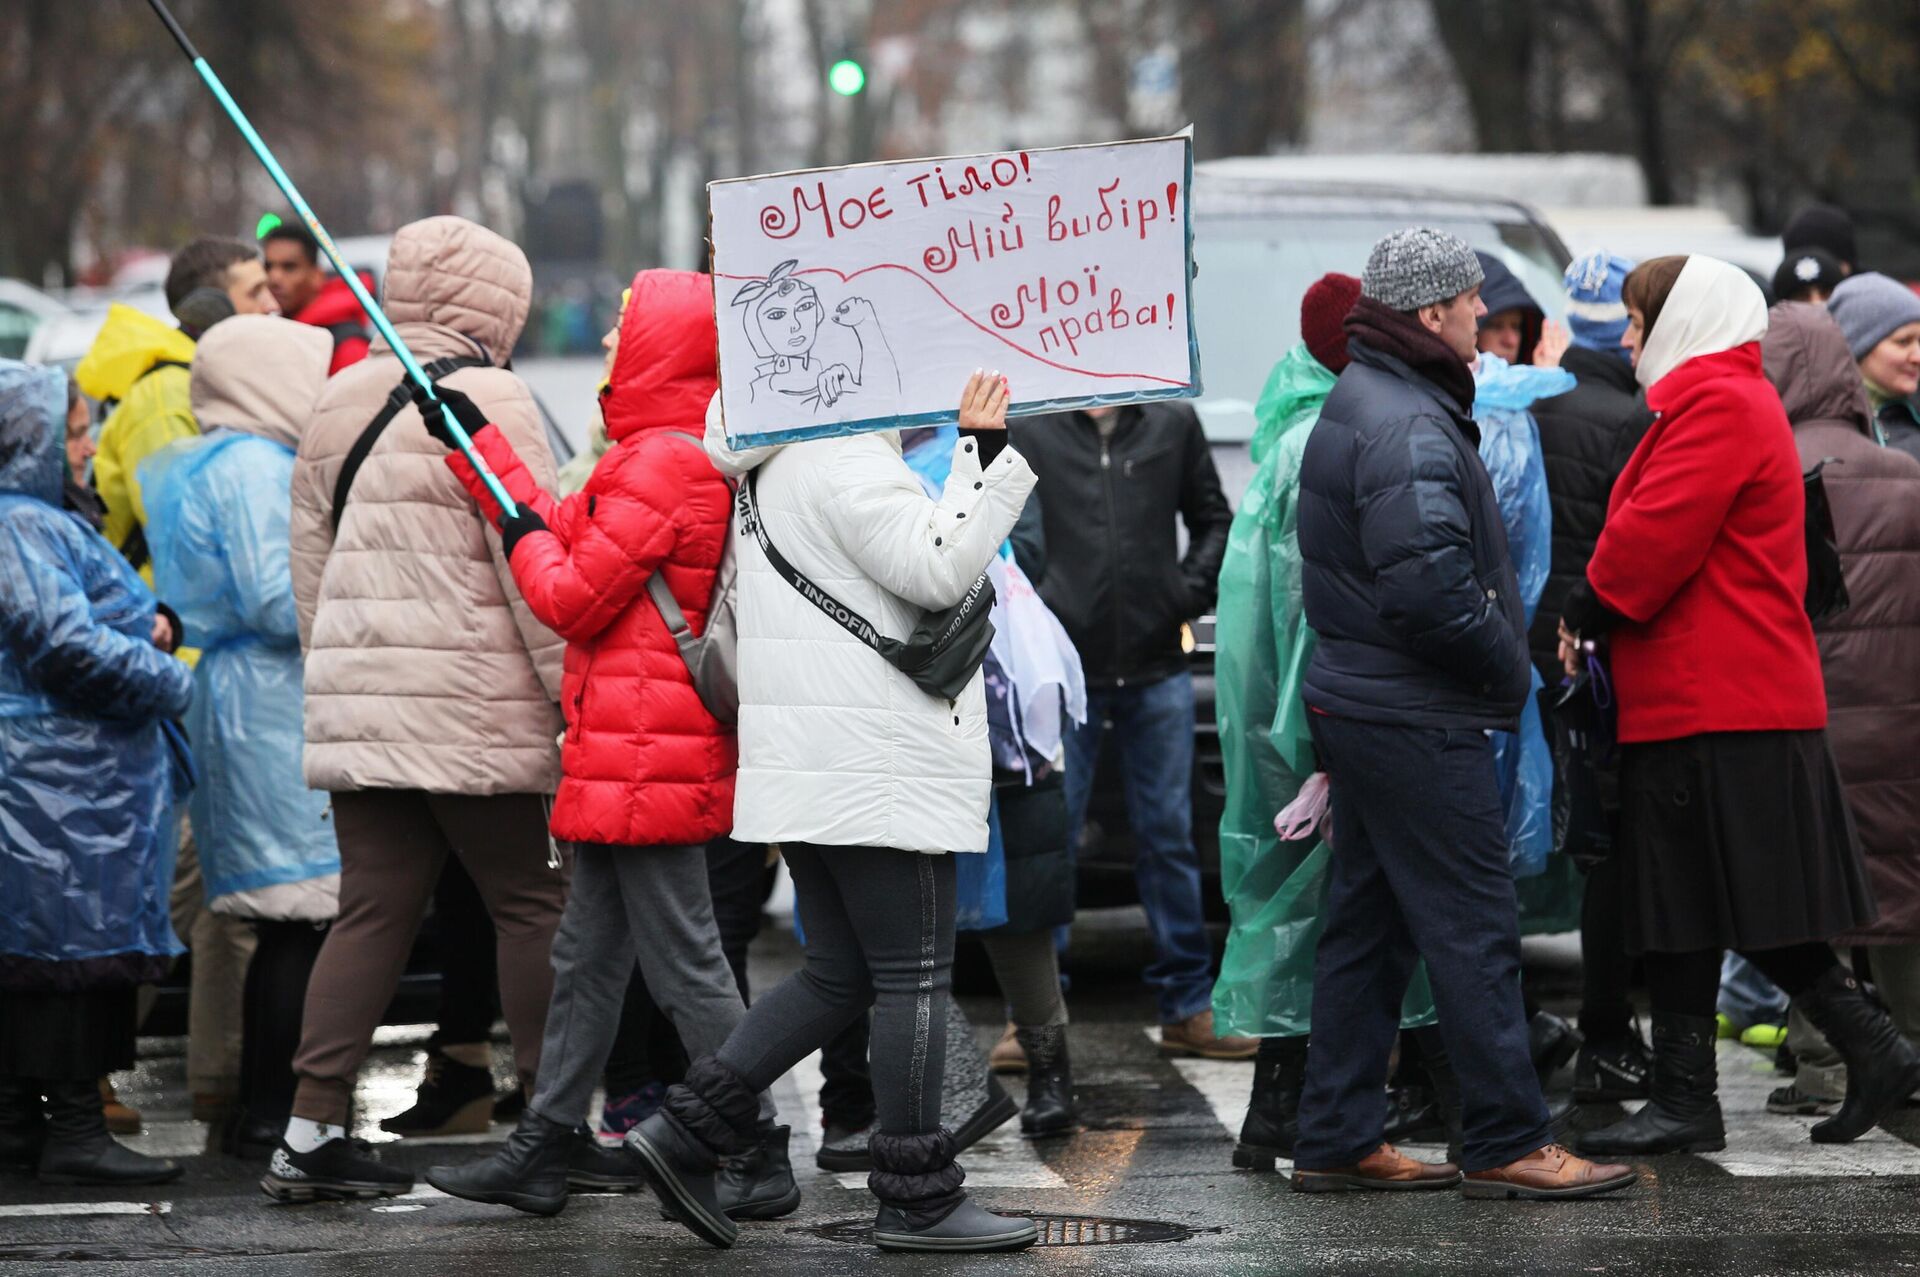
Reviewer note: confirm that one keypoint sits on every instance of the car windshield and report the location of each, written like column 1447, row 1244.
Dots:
column 1253, row 271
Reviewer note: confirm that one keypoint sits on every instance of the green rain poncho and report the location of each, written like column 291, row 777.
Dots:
column 1275, row 891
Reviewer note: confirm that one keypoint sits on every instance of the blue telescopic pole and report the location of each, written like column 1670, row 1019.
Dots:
column 287, row 188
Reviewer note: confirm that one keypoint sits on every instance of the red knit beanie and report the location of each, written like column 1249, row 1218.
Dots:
column 1323, row 316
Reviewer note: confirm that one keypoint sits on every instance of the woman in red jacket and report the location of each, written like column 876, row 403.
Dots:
column 647, row 772
column 1735, row 833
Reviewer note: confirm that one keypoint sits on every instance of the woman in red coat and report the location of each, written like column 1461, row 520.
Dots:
column 1735, row 833
column 647, row 772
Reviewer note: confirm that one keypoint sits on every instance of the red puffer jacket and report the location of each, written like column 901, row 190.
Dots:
column 643, row 762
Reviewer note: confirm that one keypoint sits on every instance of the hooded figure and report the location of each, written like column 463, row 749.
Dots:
column 86, row 804
column 85, row 792
column 1508, row 302
column 1870, row 654
column 140, row 363
column 217, row 509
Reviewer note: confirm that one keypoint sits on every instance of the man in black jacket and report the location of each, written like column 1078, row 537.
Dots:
column 1422, row 651
column 1112, row 482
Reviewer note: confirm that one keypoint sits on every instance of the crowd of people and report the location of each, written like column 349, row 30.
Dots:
column 281, row 670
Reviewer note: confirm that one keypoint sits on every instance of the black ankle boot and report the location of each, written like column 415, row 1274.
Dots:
column 759, row 1184
column 453, row 1099
column 923, row 1207
column 1883, row 1068
column 1273, row 1111
column 1683, row 1113
column 593, row 1167
column 1552, row 1041
column 78, row 1149
column 23, row 1125
column 1050, row 1108
column 528, row 1173
column 710, row 1115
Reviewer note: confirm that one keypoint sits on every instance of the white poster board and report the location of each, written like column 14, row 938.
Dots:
column 862, row 298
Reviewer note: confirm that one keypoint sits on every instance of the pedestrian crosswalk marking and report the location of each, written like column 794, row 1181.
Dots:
column 53, row 1210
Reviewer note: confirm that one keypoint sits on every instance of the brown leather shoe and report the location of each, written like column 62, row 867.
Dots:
column 1546, row 1173
column 1195, row 1036
column 1007, row 1056
column 1386, row 1169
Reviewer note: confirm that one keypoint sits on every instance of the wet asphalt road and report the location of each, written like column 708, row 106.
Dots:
column 1156, row 1145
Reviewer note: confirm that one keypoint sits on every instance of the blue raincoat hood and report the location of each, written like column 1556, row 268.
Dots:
column 33, row 425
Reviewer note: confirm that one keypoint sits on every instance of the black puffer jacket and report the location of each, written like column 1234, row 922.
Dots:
column 1587, row 435
column 1115, row 576
column 1407, row 577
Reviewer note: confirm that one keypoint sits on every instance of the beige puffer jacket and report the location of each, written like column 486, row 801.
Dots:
column 425, row 670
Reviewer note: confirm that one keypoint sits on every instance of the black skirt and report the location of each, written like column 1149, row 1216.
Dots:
column 70, row 1037
column 1738, row 840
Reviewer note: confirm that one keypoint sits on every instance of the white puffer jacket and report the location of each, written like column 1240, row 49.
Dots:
column 837, row 747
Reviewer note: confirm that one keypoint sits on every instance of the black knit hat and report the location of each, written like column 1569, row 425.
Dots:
column 1822, row 226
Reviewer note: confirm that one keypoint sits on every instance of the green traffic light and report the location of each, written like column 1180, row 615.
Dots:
column 846, row 77
column 268, row 222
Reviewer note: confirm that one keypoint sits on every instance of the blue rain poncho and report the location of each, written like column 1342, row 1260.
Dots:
column 1510, row 448
column 88, row 775
column 217, row 525
column 1276, row 891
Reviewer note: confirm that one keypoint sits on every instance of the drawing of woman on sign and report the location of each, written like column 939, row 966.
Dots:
column 782, row 316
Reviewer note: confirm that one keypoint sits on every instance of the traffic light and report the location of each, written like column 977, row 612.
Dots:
column 846, row 77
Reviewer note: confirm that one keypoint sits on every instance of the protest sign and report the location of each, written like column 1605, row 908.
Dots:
column 862, row 298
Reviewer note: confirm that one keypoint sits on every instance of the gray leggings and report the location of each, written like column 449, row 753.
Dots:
column 628, row 904
column 879, row 931
column 1027, row 966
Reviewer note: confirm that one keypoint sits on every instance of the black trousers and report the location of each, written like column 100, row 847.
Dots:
column 1419, row 870
column 272, row 1000
column 469, row 975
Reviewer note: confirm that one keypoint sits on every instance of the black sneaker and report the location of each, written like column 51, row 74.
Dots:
column 1791, row 1101
column 339, row 1170
column 1612, row 1070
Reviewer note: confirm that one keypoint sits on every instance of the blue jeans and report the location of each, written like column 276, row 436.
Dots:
column 1153, row 727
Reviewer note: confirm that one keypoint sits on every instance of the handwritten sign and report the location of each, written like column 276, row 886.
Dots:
column 862, row 298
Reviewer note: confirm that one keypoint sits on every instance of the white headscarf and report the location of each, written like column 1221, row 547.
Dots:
column 1713, row 307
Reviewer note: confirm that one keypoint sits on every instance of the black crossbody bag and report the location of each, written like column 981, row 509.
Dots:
column 944, row 651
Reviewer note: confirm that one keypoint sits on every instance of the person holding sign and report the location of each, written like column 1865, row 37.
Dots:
column 868, row 780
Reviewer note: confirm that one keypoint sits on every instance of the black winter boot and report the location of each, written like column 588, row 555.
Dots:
column 78, row 1149
column 593, row 1167
column 1683, row 1113
column 1273, row 1111
column 529, row 1172
column 1883, row 1068
column 1552, row 1041
column 923, row 1207
column 1050, row 1109
column 453, row 1099
column 23, row 1125
column 710, row 1115
column 1613, row 1069
column 759, row 1184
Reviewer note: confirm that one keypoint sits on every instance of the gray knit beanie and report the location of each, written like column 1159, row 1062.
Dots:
column 1418, row 267
column 1869, row 306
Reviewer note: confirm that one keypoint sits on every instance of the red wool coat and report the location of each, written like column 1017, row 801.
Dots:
column 1704, row 553
column 643, row 762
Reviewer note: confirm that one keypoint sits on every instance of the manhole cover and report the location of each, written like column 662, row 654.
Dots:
column 1055, row 1230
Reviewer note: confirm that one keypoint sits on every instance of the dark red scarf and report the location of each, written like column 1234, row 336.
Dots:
column 1402, row 335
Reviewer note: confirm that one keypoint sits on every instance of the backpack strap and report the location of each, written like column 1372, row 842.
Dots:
column 657, row 588
column 397, row 398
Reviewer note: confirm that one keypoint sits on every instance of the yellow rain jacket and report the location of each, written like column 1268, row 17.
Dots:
column 131, row 361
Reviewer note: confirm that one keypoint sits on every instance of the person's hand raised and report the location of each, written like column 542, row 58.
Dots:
column 1553, row 344
column 983, row 404
column 464, row 410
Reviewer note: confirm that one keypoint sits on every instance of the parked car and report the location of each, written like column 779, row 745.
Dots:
column 1259, row 239
column 24, row 310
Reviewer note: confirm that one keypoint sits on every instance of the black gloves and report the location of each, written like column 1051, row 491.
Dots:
column 471, row 419
column 523, row 521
